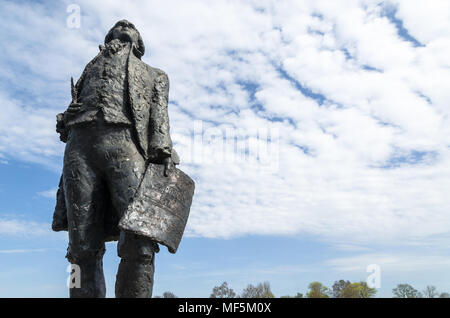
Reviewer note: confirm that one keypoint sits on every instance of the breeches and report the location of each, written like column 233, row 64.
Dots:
column 102, row 170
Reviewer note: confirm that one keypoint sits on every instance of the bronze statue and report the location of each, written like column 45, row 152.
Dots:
column 119, row 179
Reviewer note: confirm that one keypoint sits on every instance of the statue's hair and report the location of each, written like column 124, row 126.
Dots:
column 139, row 50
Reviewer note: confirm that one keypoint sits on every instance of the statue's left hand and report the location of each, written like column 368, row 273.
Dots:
column 168, row 164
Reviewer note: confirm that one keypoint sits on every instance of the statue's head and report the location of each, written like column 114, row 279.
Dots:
column 125, row 31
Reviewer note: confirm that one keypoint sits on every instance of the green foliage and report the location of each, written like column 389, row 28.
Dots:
column 299, row 295
column 168, row 294
column 350, row 291
column 317, row 290
column 430, row 292
column 358, row 290
column 222, row 291
column 406, row 291
column 338, row 287
column 365, row 291
column 262, row 290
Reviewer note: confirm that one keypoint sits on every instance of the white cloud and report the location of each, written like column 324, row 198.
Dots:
column 417, row 15
column 390, row 263
column 28, row 133
column 22, row 251
column 21, row 228
column 385, row 104
column 50, row 193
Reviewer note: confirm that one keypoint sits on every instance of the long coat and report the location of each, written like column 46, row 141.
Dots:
column 148, row 90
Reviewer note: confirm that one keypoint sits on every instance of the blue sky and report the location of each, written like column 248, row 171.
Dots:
column 353, row 94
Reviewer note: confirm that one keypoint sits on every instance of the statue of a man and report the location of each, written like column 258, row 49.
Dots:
column 116, row 126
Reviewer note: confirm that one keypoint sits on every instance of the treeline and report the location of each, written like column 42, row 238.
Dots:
column 340, row 289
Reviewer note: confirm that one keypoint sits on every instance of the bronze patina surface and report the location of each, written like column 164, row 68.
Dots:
column 119, row 179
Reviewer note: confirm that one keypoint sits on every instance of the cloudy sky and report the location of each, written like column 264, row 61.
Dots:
column 353, row 95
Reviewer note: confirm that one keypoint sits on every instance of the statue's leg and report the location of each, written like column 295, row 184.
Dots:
column 135, row 275
column 84, row 196
column 123, row 170
column 89, row 265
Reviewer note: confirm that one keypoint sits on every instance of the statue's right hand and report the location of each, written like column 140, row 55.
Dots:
column 71, row 111
column 74, row 107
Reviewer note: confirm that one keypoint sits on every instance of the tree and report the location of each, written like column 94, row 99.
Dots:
column 168, row 294
column 338, row 287
column 299, row 295
column 351, row 291
column 262, row 290
column 317, row 290
column 444, row 295
column 365, row 291
column 430, row 292
column 222, row 291
column 251, row 292
column 406, row 291
column 358, row 290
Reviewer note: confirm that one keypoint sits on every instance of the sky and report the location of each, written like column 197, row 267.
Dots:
column 317, row 133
